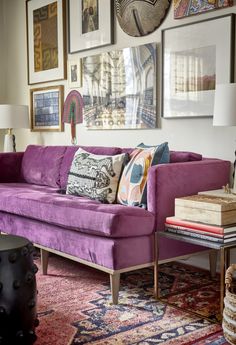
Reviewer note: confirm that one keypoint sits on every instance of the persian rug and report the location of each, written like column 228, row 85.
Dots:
column 74, row 307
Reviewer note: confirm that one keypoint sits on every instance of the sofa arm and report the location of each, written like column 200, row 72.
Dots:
column 10, row 166
column 169, row 181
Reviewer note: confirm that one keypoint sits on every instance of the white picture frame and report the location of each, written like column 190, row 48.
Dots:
column 196, row 57
column 90, row 27
column 74, row 73
column 46, row 64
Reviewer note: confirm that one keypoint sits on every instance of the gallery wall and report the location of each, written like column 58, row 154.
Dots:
column 182, row 134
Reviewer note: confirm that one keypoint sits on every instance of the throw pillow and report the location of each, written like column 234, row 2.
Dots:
column 132, row 189
column 162, row 155
column 95, row 176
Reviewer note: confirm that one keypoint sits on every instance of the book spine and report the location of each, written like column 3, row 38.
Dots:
column 196, row 226
column 184, row 228
column 195, row 235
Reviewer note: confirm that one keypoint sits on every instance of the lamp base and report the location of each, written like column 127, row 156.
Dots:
column 9, row 143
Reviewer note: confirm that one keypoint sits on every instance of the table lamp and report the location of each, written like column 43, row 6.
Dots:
column 13, row 116
column 225, row 111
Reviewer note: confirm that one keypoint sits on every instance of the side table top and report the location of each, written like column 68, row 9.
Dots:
column 219, row 193
column 8, row 242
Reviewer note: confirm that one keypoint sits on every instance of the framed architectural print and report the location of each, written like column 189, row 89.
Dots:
column 46, row 40
column 119, row 89
column 90, row 24
column 46, row 108
column 74, row 73
column 195, row 57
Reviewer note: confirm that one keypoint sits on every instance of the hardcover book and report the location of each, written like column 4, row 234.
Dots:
column 201, row 226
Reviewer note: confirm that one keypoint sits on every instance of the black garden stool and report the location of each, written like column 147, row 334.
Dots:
column 18, row 293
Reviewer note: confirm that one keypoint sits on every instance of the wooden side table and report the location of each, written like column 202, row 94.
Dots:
column 223, row 248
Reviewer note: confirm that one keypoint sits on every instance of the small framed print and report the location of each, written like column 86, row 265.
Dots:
column 74, row 73
column 90, row 24
column 46, row 108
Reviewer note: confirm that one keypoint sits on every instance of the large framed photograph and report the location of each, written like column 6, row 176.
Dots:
column 90, row 24
column 74, row 73
column 196, row 57
column 46, row 40
column 119, row 89
column 46, row 108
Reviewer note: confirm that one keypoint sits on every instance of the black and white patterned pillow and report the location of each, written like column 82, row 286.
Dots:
column 95, row 176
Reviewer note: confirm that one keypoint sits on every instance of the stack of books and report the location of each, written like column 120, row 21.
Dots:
column 205, row 217
column 208, row 232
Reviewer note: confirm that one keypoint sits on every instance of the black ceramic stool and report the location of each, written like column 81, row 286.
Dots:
column 18, row 293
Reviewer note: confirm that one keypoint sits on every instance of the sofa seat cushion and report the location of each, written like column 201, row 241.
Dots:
column 45, row 204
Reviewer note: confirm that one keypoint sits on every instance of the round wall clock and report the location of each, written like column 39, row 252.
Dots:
column 141, row 17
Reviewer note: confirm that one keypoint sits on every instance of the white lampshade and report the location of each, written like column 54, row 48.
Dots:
column 225, row 105
column 14, row 116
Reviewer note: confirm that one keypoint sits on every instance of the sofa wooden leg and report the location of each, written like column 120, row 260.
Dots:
column 115, row 287
column 213, row 262
column 44, row 260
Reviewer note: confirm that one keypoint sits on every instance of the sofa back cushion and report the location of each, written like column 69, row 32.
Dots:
column 41, row 165
column 69, row 155
column 184, row 156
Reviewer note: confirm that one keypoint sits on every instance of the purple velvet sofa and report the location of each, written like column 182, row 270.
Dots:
column 110, row 237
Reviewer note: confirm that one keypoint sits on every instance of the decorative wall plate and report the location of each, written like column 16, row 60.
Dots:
column 141, row 17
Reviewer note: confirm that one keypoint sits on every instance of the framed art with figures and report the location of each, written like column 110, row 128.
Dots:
column 90, row 24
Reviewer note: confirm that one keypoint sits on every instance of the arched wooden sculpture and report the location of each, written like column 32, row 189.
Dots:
column 73, row 112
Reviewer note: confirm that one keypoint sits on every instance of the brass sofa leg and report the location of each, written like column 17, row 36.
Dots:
column 213, row 262
column 44, row 260
column 115, row 287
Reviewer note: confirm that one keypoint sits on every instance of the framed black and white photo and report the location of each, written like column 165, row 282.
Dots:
column 90, row 24
column 46, row 105
column 46, row 40
column 196, row 57
column 74, row 73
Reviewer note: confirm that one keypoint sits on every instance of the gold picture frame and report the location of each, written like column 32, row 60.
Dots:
column 46, row 106
column 46, row 40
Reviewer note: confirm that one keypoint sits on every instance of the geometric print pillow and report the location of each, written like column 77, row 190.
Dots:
column 132, row 188
column 95, row 176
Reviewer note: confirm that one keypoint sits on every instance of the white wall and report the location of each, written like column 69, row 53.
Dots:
column 183, row 134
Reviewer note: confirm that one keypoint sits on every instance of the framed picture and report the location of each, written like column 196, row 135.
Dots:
column 46, row 108
column 90, row 24
column 119, row 89
column 74, row 73
column 195, row 58
column 185, row 8
column 46, row 40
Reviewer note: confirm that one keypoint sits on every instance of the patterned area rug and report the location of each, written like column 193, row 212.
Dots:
column 74, row 307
